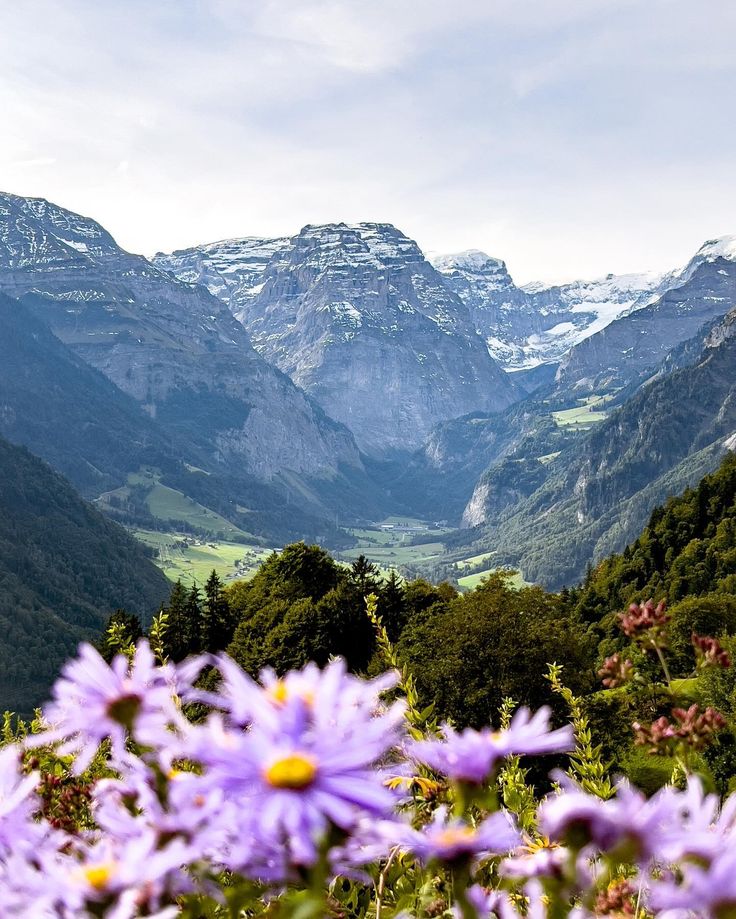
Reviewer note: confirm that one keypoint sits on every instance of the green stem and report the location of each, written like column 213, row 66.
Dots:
column 665, row 668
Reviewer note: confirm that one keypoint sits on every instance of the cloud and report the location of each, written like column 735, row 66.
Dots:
column 567, row 136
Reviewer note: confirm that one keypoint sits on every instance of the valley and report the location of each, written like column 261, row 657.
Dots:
column 192, row 560
column 339, row 387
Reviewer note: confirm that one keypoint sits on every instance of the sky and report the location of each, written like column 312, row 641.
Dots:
column 571, row 138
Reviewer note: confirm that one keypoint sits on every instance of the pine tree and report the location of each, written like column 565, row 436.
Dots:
column 178, row 638
column 217, row 625
column 392, row 605
column 193, row 616
column 365, row 575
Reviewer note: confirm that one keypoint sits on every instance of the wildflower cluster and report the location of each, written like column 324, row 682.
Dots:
column 312, row 795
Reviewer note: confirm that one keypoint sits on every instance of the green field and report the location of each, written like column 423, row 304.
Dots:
column 469, row 581
column 583, row 416
column 390, row 549
column 189, row 560
column 473, row 560
column 168, row 504
column 394, row 556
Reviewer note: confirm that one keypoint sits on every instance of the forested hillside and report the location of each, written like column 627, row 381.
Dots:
column 63, row 568
column 688, row 549
column 596, row 495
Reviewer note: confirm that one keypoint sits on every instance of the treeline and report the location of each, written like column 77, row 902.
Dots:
column 468, row 652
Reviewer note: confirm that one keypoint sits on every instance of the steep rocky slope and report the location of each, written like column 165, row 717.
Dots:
column 173, row 347
column 635, row 343
column 358, row 318
column 537, row 324
column 596, row 495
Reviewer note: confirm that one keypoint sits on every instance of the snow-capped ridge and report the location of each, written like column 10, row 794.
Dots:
column 468, row 260
column 720, row 247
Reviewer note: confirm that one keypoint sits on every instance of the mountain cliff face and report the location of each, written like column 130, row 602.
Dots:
column 358, row 318
column 233, row 269
column 537, row 324
column 173, row 347
column 595, row 496
column 638, row 341
column 68, row 413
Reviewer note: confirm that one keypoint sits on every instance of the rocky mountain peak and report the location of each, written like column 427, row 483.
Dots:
column 472, row 261
column 33, row 231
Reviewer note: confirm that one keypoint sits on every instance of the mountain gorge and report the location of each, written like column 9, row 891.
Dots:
column 302, row 386
column 595, row 495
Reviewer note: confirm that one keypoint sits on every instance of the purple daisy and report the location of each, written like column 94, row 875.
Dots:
column 452, row 840
column 472, row 756
column 629, row 820
column 307, row 759
column 94, row 701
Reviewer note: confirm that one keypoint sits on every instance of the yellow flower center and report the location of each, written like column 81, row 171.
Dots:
column 454, row 835
column 280, row 693
column 99, row 876
column 296, row 771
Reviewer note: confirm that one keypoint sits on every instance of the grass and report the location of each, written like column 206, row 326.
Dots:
column 394, row 556
column 189, row 560
column 373, row 537
column 548, row 457
column 473, row 560
column 166, row 503
column 470, row 581
column 390, row 549
column 584, row 415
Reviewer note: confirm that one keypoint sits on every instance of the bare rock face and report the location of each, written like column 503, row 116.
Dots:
column 358, row 318
column 172, row 346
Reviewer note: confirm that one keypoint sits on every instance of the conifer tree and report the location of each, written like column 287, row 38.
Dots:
column 365, row 575
column 217, row 625
column 392, row 605
column 193, row 617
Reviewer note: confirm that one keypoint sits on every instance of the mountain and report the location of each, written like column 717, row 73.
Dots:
column 179, row 353
column 360, row 320
column 636, row 342
column 686, row 550
column 64, row 568
column 597, row 493
column 536, row 324
column 67, row 412
column 232, row 269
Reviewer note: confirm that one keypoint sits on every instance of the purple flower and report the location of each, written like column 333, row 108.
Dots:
column 16, row 800
column 93, row 701
column 488, row 904
column 124, row 877
column 627, row 822
column 190, row 809
column 536, row 861
column 455, row 840
column 706, row 892
column 307, row 760
column 472, row 756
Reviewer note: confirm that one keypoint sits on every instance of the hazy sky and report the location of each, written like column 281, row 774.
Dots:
column 569, row 137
